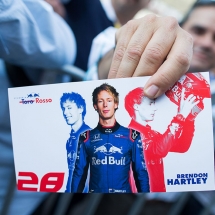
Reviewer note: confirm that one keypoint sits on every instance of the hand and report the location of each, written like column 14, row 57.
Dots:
column 152, row 46
column 186, row 105
column 173, row 128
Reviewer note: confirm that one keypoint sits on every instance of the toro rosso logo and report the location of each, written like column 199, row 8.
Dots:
column 108, row 149
column 33, row 98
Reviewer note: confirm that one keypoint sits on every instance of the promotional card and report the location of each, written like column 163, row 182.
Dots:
column 105, row 136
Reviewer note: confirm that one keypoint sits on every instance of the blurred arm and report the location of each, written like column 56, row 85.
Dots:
column 32, row 34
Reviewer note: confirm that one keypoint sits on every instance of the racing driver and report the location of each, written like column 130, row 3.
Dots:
column 109, row 149
column 177, row 137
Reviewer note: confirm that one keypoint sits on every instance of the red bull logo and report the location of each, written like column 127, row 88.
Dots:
column 193, row 84
column 108, row 160
column 31, row 95
column 101, row 149
column 108, row 149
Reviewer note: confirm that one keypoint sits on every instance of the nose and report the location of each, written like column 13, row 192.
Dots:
column 105, row 104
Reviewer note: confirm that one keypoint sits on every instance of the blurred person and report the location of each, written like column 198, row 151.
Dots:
column 109, row 150
column 74, row 110
column 92, row 17
column 30, row 40
column 199, row 22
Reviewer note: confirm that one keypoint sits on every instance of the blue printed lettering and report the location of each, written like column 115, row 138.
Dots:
column 204, row 180
column 169, row 181
column 183, row 181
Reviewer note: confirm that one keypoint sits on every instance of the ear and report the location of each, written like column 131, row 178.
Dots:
column 95, row 107
column 115, row 105
column 136, row 107
column 80, row 109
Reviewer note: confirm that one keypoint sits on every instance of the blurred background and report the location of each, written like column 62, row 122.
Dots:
column 173, row 8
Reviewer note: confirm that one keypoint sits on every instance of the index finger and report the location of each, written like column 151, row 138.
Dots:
column 173, row 68
column 131, row 41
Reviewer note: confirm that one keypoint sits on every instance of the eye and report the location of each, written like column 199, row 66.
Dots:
column 198, row 30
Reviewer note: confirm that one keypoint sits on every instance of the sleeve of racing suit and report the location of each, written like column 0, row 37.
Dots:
column 139, row 167
column 81, row 169
column 160, row 144
column 183, row 137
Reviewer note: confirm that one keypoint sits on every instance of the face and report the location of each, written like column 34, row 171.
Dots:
column 146, row 109
column 106, row 105
column 71, row 112
column 201, row 25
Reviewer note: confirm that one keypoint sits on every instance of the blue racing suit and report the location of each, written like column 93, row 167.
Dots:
column 71, row 148
column 109, row 151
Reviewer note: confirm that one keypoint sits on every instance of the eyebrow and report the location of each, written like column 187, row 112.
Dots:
column 68, row 105
column 106, row 98
column 199, row 27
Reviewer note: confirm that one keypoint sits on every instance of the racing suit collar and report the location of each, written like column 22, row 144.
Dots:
column 107, row 129
column 79, row 131
column 138, row 127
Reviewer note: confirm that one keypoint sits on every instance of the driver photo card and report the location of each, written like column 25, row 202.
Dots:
column 106, row 136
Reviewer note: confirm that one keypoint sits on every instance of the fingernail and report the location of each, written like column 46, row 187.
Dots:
column 152, row 91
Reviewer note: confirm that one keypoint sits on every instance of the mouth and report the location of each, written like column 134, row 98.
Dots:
column 67, row 117
column 105, row 111
column 201, row 55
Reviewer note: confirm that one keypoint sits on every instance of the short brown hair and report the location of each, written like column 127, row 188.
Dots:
column 105, row 87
